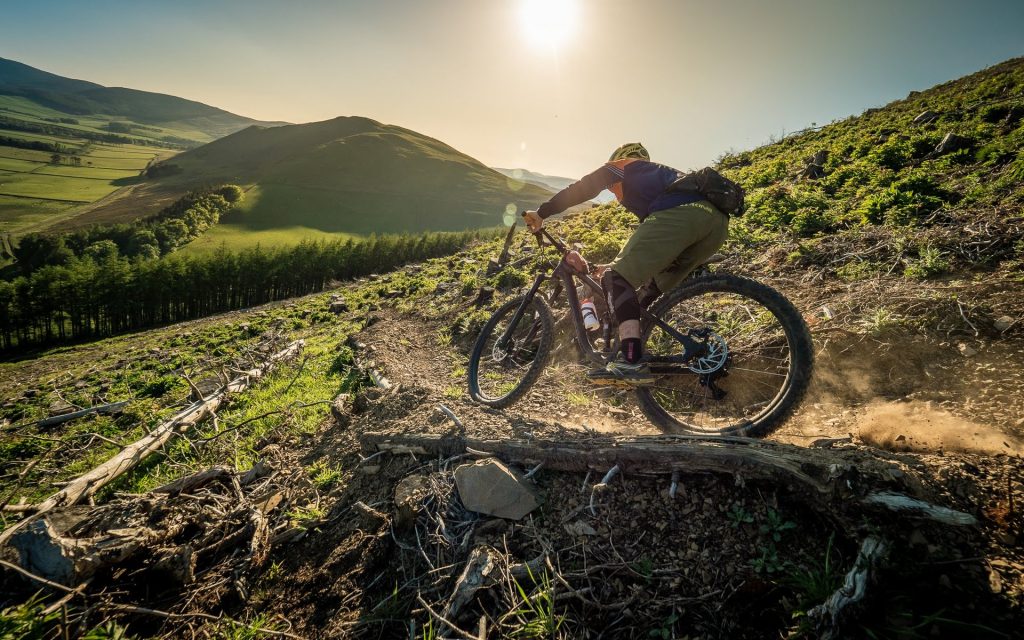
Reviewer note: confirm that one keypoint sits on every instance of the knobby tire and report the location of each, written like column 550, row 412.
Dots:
column 536, row 311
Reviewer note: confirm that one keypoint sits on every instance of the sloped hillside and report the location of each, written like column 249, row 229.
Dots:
column 349, row 174
column 79, row 97
column 953, row 148
column 283, row 516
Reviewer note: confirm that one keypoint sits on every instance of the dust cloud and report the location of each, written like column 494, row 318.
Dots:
column 921, row 427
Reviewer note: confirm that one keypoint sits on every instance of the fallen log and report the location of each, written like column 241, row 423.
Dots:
column 86, row 485
column 828, row 478
column 72, row 544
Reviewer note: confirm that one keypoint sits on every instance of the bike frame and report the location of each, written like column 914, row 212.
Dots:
column 565, row 276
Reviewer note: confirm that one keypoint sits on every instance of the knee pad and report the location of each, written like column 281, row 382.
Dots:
column 621, row 296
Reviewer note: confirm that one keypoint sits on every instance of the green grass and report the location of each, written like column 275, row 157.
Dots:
column 46, row 187
column 19, row 215
column 105, row 167
column 36, row 194
column 11, row 164
column 236, row 236
column 25, row 154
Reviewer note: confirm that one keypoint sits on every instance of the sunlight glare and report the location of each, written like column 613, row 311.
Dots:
column 549, row 23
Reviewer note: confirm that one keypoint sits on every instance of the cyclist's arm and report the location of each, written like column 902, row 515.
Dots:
column 578, row 192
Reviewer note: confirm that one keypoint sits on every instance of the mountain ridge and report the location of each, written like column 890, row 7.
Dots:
column 82, row 97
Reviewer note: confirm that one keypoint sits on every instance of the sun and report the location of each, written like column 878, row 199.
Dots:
column 549, row 23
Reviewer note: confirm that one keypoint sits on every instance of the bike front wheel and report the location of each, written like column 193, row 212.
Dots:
column 510, row 352
column 752, row 366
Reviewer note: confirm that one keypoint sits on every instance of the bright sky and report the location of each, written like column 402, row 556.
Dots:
column 550, row 85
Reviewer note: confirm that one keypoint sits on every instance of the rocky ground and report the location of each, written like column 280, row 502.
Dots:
column 717, row 560
column 724, row 556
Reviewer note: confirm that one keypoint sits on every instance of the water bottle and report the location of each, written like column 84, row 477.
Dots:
column 590, row 320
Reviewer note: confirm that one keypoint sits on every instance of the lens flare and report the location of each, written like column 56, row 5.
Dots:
column 549, row 23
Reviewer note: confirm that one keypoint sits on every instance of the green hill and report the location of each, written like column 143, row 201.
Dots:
column 65, row 144
column 350, row 175
column 78, row 97
column 924, row 160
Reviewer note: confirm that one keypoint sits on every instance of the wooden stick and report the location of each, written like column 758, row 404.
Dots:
column 107, row 409
column 86, row 485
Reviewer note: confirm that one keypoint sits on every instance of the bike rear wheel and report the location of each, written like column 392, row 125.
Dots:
column 500, row 374
column 753, row 368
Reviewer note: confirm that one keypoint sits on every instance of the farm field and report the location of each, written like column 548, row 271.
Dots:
column 37, row 193
column 27, row 111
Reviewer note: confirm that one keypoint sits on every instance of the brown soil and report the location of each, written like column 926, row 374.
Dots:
column 704, row 564
column 720, row 559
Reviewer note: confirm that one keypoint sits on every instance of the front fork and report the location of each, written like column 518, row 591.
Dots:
column 503, row 341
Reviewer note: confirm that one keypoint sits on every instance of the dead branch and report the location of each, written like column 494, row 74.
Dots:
column 829, row 615
column 105, row 409
column 86, row 485
column 824, row 477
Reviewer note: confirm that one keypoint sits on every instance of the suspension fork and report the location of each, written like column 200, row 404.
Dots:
column 502, row 342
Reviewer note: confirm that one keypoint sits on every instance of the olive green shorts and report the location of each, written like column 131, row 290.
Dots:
column 669, row 244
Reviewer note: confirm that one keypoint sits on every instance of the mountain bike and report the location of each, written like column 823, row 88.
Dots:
column 730, row 355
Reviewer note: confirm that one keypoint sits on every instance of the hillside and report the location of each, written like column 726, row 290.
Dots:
column 349, row 174
column 953, row 148
column 81, row 98
column 288, row 514
column 66, row 144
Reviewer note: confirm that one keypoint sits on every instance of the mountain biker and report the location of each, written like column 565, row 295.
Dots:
column 678, row 232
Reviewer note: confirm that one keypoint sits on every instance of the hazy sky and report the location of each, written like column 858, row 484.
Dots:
column 527, row 83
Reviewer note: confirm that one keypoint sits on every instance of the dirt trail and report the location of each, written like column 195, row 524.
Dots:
column 913, row 397
column 410, row 352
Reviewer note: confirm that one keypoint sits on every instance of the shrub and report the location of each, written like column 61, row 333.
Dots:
column 510, row 278
column 904, row 202
column 930, row 262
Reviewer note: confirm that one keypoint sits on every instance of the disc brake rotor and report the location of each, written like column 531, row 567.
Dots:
column 714, row 357
column 499, row 354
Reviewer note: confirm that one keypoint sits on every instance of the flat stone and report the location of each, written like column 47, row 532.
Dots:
column 1002, row 323
column 966, row 350
column 491, row 488
column 580, row 528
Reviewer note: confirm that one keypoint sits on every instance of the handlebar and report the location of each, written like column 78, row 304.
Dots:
column 543, row 233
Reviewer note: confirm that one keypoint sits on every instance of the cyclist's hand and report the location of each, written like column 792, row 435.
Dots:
column 577, row 262
column 533, row 220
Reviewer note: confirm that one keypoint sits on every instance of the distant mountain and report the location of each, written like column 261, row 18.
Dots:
column 78, row 97
column 555, row 183
column 349, row 174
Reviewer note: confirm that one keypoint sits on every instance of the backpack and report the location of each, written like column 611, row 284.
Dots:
column 726, row 195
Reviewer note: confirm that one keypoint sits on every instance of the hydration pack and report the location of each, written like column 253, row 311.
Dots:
column 723, row 193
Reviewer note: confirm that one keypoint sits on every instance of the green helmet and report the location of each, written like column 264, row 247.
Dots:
column 630, row 150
